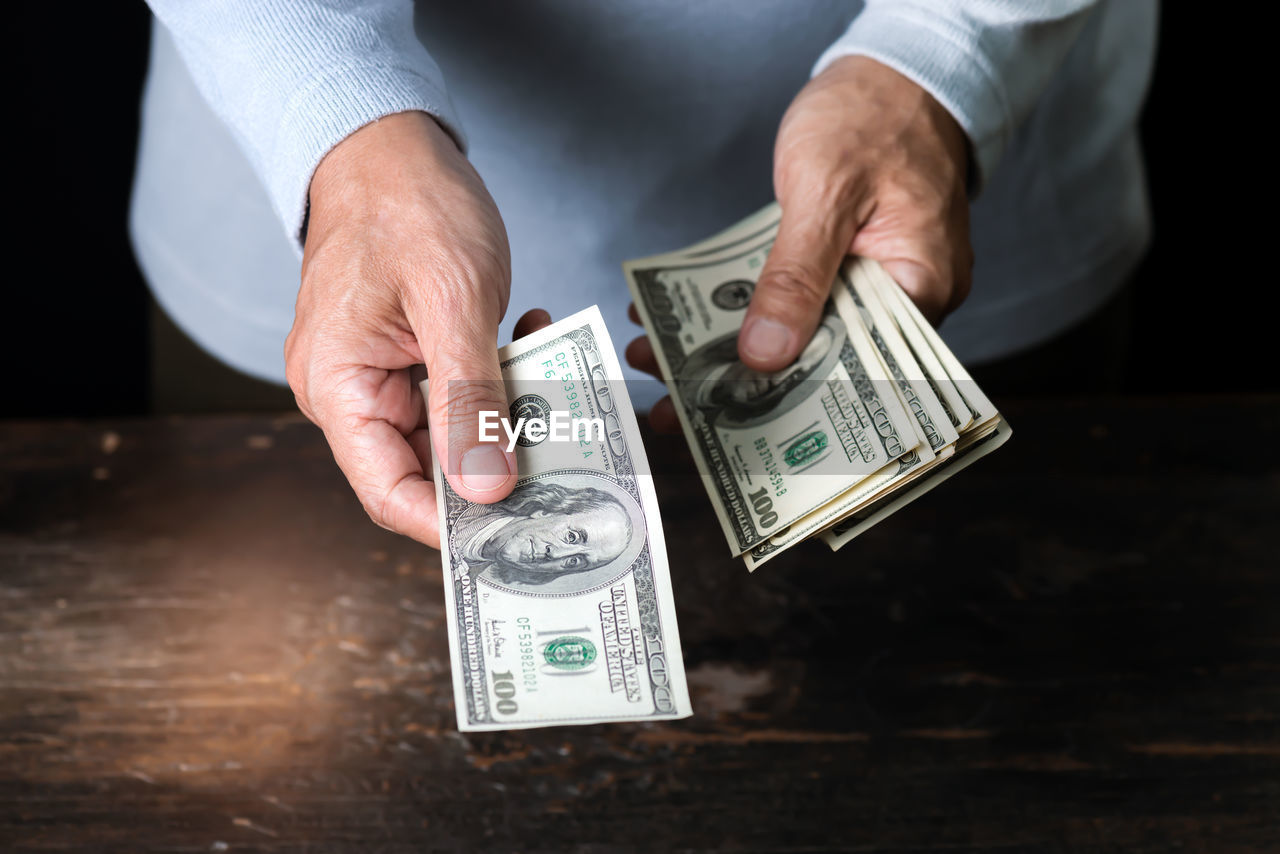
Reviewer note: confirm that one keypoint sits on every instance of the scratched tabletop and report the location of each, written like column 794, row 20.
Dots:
column 205, row 645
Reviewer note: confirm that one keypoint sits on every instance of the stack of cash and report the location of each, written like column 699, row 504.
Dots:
column 875, row 412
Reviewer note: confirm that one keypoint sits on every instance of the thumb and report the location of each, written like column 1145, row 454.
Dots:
column 465, row 382
column 794, row 286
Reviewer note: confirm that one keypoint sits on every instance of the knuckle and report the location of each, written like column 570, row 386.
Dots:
column 345, row 422
column 463, row 397
column 379, row 503
column 473, row 279
column 470, row 337
column 376, row 501
column 927, row 286
column 845, row 187
column 304, row 407
column 295, row 373
column 795, row 281
column 375, row 509
column 460, row 335
column 926, row 289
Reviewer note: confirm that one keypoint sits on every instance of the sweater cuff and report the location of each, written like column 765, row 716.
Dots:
column 330, row 108
column 947, row 61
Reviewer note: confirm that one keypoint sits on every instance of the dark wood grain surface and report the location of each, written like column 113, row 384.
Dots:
column 1075, row 645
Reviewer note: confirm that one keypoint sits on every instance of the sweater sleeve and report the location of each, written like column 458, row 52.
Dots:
column 293, row 78
column 985, row 61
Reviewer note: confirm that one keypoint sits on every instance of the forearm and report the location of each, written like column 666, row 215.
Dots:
column 294, row 78
column 986, row 62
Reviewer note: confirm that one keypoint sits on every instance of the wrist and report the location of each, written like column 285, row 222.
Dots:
column 370, row 169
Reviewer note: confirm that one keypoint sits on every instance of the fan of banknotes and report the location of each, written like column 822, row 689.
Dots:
column 559, row 596
column 875, row 412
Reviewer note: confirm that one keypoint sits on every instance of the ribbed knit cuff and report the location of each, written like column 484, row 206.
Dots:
column 328, row 110
column 944, row 59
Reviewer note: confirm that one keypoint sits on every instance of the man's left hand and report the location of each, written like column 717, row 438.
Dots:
column 866, row 163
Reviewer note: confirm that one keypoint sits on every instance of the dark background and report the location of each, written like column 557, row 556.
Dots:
column 77, row 324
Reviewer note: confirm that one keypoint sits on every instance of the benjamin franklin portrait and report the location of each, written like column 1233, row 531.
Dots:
column 729, row 392
column 558, row 534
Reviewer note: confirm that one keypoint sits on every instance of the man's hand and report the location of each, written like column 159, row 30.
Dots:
column 406, row 262
column 866, row 163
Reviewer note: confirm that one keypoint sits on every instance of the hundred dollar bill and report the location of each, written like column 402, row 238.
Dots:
column 771, row 448
column 559, row 596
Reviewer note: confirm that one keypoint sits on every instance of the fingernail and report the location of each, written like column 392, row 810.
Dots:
column 765, row 338
column 484, row 468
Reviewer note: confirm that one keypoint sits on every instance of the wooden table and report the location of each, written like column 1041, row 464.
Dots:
column 205, row 645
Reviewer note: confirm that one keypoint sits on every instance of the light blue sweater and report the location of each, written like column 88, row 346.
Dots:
column 609, row 130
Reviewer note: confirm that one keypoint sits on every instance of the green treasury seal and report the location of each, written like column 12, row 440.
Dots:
column 805, row 448
column 569, row 652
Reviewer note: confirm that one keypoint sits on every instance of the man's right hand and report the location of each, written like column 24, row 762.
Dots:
column 406, row 262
